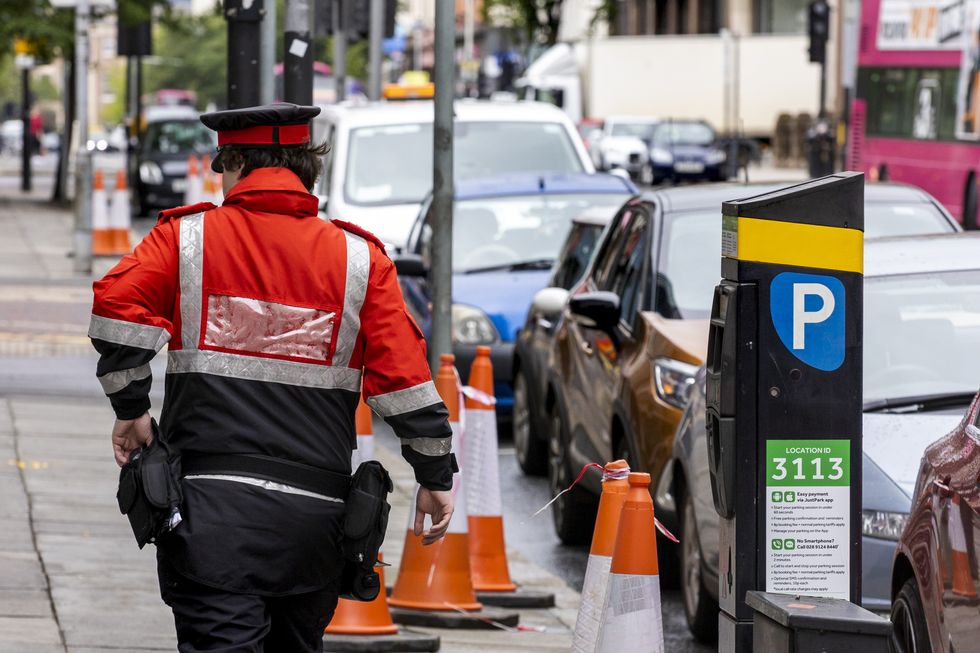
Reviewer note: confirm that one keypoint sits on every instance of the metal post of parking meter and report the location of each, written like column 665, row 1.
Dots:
column 784, row 397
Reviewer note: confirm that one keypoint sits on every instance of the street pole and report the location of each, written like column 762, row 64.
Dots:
column 244, row 33
column 823, row 89
column 267, row 56
column 25, row 115
column 441, row 273
column 339, row 22
column 298, row 56
column 374, row 47
column 83, row 170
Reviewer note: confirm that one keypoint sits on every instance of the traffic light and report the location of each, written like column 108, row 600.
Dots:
column 359, row 18
column 323, row 18
column 818, row 27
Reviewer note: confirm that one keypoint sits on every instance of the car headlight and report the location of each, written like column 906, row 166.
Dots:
column 661, row 156
column 673, row 380
column 150, row 173
column 882, row 524
column 715, row 157
column 471, row 326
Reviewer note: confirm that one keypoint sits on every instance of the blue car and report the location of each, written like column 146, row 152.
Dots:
column 507, row 231
column 685, row 150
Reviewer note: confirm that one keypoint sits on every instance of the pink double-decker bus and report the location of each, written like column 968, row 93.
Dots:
column 916, row 113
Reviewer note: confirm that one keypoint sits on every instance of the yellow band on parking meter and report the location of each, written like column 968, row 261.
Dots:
column 793, row 243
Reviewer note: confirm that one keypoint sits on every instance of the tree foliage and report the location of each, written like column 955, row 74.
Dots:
column 538, row 19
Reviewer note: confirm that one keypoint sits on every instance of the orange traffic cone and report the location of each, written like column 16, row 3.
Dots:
column 437, row 577
column 488, row 555
column 102, row 242
column 615, row 486
column 360, row 617
column 194, row 190
column 631, row 617
column 364, row 427
column 120, row 216
column 211, row 191
column 962, row 578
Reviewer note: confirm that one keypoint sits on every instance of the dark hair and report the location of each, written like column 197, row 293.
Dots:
column 305, row 161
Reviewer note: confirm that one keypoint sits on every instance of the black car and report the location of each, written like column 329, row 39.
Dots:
column 533, row 346
column 171, row 137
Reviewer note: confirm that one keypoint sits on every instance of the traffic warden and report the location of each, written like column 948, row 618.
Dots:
column 275, row 321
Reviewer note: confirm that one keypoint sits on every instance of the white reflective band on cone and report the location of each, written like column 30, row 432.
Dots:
column 364, row 451
column 483, row 479
column 957, row 536
column 100, row 209
column 590, row 609
column 632, row 620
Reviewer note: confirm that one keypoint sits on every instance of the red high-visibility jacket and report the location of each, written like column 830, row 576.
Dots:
column 275, row 321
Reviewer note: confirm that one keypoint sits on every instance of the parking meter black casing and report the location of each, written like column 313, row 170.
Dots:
column 759, row 390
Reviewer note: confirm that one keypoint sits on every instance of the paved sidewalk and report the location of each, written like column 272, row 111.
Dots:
column 71, row 577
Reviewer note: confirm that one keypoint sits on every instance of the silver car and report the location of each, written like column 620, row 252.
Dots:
column 921, row 343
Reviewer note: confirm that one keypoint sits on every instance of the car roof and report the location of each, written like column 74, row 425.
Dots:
column 633, row 119
column 542, row 183
column 903, row 255
column 421, row 111
column 167, row 113
column 701, row 197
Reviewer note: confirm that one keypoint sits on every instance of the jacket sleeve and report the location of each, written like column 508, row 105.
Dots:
column 130, row 319
column 397, row 383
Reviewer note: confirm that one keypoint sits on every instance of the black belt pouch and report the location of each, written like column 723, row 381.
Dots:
column 149, row 490
column 365, row 523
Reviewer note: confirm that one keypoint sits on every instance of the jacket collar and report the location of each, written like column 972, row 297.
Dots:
column 273, row 190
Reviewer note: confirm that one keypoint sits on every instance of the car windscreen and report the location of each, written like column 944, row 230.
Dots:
column 885, row 219
column 392, row 164
column 689, row 264
column 179, row 137
column 683, row 133
column 921, row 334
column 520, row 232
column 641, row 130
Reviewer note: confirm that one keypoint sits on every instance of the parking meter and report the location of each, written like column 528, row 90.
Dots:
column 784, row 397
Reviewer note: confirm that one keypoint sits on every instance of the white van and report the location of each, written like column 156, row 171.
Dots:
column 379, row 168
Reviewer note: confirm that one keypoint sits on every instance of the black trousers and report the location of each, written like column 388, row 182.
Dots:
column 214, row 620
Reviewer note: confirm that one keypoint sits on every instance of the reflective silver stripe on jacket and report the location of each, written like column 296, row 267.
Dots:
column 405, row 401
column 271, row 370
column 358, row 269
column 430, row 446
column 264, row 484
column 115, row 381
column 191, row 279
column 129, row 334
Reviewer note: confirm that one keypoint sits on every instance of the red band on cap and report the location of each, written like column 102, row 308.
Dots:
column 266, row 135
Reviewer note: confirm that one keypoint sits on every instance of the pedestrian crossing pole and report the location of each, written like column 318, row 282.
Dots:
column 83, row 170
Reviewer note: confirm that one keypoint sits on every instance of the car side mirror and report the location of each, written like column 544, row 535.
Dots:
column 549, row 302
column 600, row 308
column 410, row 265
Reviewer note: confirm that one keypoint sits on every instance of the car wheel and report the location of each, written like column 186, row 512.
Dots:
column 700, row 607
column 909, row 632
column 531, row 449
column 573, row 514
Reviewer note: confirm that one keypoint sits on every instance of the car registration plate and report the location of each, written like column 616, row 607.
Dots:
column 689, row 166
column 180, row 185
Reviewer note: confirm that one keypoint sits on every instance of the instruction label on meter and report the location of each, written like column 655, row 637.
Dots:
column 808, row 526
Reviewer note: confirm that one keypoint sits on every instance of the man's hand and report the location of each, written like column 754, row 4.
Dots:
column 131, row 434
column 439, row 505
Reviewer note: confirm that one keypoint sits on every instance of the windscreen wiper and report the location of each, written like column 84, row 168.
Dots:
column 534, row 264
column 919, row 403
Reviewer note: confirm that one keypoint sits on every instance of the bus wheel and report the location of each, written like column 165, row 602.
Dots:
column 970, row 204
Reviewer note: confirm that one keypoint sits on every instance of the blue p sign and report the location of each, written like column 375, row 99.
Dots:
column 808, row 314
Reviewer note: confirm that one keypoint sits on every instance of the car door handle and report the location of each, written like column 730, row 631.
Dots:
column 943, row 488
column 586, row 348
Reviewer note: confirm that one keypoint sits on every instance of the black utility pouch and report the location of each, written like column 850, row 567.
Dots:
column 149, row 490
column 365, row 523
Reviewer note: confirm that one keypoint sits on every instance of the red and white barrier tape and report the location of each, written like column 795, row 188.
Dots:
column 607, row 474
column 520, row 628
